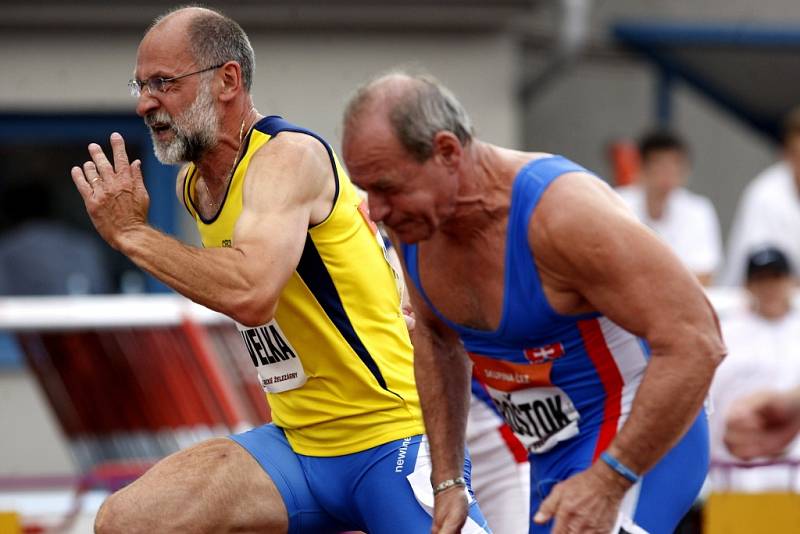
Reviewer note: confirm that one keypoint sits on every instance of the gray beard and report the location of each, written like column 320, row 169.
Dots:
column 195, row 130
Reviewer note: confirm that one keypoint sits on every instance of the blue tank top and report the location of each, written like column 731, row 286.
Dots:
column 552, row 376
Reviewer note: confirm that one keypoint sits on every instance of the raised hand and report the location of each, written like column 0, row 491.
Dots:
column 115, row 197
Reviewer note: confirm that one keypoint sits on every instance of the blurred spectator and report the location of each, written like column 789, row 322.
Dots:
column 685, row 220
column 769, row 208
column 764, row 424
column 42, row 256
column 764, row 355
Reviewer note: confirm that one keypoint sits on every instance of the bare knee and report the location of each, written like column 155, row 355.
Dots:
column 113, row 516
column 215, row 486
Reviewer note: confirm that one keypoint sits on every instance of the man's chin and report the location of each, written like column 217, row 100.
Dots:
column 411, row 233
column 168, row 154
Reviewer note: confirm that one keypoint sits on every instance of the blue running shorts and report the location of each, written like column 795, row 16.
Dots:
column 382, row 490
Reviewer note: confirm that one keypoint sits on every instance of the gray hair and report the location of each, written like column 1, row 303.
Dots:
column 424, row 109
column 216, row 39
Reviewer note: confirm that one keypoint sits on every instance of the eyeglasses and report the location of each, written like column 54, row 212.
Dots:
column 160, row 85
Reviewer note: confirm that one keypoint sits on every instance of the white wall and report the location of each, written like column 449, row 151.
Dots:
column 307, row 77
column 31, row 442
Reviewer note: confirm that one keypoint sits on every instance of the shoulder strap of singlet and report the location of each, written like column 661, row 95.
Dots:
column 188, row 178
column 410, row 253
column 530, row 183
column 274, row 124
column 522, row 278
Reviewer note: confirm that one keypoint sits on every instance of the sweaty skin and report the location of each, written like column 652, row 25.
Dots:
column 591, row 255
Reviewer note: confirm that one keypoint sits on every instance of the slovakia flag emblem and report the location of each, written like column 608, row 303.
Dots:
column 544, row 354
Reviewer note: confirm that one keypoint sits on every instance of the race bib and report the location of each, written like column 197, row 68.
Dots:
column 278, row 363
column 540, row 414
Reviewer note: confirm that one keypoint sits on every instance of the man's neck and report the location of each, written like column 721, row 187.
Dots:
column 216, row 165
column 655, row 203
column 483, row 196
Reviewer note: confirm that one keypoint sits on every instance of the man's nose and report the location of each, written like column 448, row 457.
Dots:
column 378, row 207
column 146, row 103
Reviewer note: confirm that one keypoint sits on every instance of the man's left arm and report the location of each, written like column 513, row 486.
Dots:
column 606, row 261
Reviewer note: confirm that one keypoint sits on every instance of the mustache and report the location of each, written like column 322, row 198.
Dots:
column 158, row 117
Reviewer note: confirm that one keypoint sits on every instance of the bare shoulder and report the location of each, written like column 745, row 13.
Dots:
column 294, row 148
column 578, row 204
column 292, row 169
column 588, row 243
column 583, row 236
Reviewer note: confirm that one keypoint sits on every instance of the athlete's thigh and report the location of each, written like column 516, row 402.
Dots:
column 395, row 494
column 270, row 448
column 215, row 486
column 669, row 489
column 547, row 469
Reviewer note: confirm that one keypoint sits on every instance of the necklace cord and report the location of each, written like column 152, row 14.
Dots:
column 209, row 198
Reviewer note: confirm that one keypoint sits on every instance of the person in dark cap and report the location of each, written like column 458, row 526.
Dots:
column 762, row 368
column 770, row 282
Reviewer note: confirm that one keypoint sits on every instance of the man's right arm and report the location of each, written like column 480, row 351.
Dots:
column 442, row 371
column 287, row 183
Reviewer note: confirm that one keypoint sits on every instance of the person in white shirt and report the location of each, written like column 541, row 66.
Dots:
column 764, row 358
column 686, row 221
column 763, row 424
column 769, row 208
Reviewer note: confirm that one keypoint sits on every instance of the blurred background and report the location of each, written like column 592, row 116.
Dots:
column 582, row 78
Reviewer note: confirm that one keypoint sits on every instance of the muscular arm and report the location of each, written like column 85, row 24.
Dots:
column 442, row 373
column 287, row 180
column 595, row 256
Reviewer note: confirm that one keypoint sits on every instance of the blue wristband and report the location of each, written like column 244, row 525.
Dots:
column 619, row 467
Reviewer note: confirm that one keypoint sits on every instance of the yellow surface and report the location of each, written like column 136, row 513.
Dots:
column 757, row 513
column 9, row 523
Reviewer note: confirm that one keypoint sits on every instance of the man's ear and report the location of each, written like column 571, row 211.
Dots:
column 232, row 80
column 447, row 148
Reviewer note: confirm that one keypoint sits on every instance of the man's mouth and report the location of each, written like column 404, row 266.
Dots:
column 161, row 129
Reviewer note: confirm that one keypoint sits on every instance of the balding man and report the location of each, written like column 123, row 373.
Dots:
column 291, row 256
column 595, row 343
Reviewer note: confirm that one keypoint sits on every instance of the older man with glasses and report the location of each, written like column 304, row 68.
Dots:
column 290, row 254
